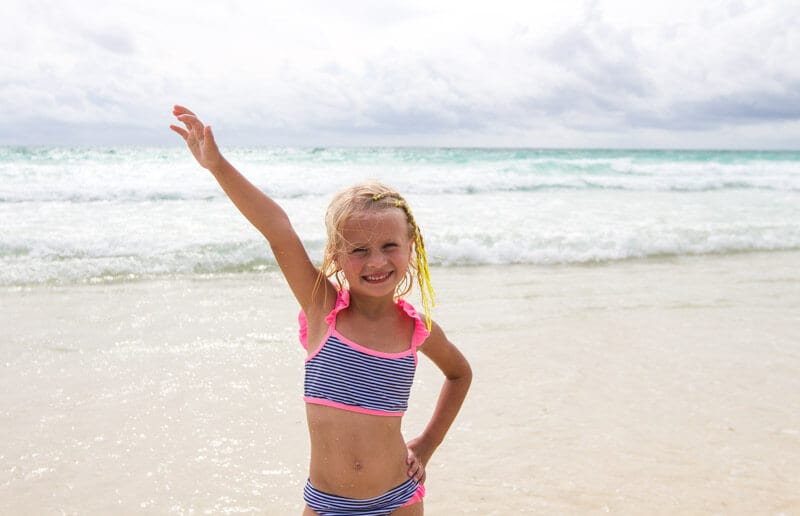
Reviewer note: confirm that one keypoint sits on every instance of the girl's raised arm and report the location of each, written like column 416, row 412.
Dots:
column 262, row 212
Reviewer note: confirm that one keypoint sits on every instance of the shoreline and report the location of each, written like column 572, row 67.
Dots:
column 270, row 269
column 655, row 385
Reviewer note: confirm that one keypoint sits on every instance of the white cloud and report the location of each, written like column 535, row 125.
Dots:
column 406, row 72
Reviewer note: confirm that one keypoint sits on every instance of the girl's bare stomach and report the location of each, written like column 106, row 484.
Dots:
column 355, row 455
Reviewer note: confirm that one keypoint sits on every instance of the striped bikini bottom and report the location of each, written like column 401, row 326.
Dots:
column 325, row 504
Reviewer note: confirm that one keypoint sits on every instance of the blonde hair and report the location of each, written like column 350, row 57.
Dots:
column 377, row 196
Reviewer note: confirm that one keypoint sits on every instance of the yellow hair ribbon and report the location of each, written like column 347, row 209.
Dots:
column 424, row 278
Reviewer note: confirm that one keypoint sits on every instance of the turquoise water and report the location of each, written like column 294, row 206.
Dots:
column 72, row 215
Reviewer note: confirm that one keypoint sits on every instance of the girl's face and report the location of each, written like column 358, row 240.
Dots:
column 376, row 251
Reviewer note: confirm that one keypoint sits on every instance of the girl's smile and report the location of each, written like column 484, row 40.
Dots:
column 378, row 278
column 377, row 251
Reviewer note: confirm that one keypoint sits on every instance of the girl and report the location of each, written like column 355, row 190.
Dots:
column 361, row 339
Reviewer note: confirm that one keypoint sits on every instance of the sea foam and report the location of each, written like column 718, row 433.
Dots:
column 92, row 214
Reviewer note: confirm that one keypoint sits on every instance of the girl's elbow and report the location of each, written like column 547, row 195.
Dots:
column 464, row 374
column 467, row 374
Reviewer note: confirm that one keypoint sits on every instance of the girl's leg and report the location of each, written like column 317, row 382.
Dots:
column 415, row 509
column 309, row 512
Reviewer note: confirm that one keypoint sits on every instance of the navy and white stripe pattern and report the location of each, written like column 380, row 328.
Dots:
column 332, row 505
column 341, row 374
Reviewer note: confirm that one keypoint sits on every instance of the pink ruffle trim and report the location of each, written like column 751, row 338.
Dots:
column 343, row 301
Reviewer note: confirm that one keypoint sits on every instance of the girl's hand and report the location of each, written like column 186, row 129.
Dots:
column 416, row 469
column 198, row 137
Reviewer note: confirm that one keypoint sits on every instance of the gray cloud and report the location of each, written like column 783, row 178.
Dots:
column 350, row 75
column 113, row 39
column 758, row 105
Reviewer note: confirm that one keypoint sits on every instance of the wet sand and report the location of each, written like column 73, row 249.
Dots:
column 661, row 386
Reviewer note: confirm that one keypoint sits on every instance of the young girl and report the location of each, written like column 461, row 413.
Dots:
column 361, row 339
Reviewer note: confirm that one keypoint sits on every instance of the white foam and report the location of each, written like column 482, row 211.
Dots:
column 94, row 215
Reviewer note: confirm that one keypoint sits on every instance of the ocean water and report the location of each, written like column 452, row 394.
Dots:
column 89, row 215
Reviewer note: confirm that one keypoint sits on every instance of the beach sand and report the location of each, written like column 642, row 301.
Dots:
column 659, row 386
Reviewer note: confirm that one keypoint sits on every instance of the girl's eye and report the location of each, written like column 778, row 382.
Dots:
column 359, row 250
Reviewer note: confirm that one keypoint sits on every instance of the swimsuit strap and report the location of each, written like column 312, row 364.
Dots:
column 421, row 331
column 343, row 301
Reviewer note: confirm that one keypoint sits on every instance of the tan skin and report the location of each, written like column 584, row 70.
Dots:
column 352, row 455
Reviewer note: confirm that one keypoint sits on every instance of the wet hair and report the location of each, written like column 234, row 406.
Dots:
column 364, row 198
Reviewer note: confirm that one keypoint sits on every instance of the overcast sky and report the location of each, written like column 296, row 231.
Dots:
column 678, row 74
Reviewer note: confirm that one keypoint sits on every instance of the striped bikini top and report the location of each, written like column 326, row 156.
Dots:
column 348, row 376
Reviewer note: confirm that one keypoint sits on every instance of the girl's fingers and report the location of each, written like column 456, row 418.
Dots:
column 180, row 130
column 194, row 125
column 180, row 110
column 417, row 470
column 190, row 120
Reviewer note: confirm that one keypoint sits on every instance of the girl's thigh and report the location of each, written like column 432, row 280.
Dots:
column 415, row 509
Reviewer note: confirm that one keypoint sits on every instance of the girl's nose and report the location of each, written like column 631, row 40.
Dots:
column 376, row 259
